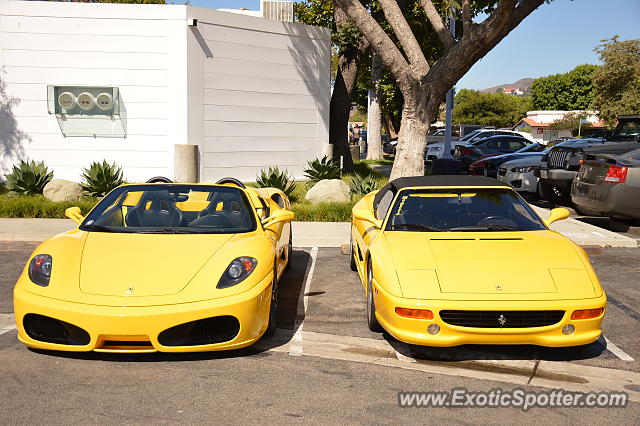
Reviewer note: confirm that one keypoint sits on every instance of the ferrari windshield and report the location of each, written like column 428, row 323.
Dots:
column 172, row 209
column 461, row 210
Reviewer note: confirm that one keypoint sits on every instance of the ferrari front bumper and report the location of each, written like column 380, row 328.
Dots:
column 120, row 328
column 414, row 331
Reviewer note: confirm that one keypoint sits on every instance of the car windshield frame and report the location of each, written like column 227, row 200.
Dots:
column 462, row 194
column 113, row 204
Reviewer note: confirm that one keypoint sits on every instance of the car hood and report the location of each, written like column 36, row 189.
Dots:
column 137, row 265
column 523, row 162
column 516, row 156
column 532, row 265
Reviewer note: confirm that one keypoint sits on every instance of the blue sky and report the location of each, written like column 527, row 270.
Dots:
column 555, row 38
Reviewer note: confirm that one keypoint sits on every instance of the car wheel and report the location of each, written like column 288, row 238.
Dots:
column 273, row 308
column 548, row 192
column 352, row 255
column 290, row 250
column 372, row 321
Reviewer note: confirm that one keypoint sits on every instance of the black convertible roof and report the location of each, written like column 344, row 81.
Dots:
column 439, row 180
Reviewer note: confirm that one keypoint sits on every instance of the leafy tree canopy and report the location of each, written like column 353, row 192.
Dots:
column 617, row 82
column 569, row 91
column 571, row 122
column 489, row 109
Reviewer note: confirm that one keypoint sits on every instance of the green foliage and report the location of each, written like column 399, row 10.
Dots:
column 322, row 168
column 100, row 178
column 28, row 178
column 36, row 206
column 571, row 122
column 617, row 82
column 314, row 12
column 362, row 185
column 273, row 177
column 489, row 109
column 569, row 91
column 323, row 212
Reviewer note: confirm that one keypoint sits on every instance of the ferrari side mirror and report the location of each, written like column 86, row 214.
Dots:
column 278, row 216
column 73, row 213
column 555, row 215
column 367, row 216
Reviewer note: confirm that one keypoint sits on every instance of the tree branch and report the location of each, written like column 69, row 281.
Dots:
column 405, row 35
column 379, row 41
column 438, row 25
column 466, row 16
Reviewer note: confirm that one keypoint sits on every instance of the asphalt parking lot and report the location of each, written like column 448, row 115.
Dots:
column 323, row 365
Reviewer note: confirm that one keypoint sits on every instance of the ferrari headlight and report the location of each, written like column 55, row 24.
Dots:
column 239, row 269
column 40, row 269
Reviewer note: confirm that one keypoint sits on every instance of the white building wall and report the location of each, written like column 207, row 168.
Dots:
column 138, row 48
column 249, row 92
column 262, row 90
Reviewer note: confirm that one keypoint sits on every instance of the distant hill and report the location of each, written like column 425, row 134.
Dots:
column 523, row 84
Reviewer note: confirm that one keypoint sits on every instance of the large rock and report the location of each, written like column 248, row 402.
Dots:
column 329, row 190
column 62, row 190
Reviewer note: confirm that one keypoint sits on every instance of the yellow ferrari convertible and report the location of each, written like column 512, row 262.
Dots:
column 452, row 260
column 159, row 267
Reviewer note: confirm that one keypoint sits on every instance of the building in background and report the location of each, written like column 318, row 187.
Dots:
column 132, row 83
column 269, row 9
column 539, row 122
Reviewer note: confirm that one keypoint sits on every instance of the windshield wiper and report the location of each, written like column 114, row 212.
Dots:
column 418, row 226
column 165, row 231
column 492, row 227
column 99, row 228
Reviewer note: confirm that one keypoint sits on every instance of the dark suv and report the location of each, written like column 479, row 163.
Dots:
column 560, row 166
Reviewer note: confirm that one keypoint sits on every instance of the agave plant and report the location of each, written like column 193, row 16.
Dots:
column 28, row 178
column 362, row 185
column 100, row 178
column 273, row 177
column 322, row 168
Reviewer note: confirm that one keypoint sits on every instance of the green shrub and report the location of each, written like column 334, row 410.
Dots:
column 323, row 212
column 363, row 169
column 100, row 178
column 36, row 206
column 362, row 185
column 28, row 178
column 323, row 168
column 273, row 177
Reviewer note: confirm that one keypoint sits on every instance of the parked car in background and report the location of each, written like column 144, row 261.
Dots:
column 472, row 152
column 609, row 185
column 438, row 136
column 519, row 174
column 435, row 150
column 389, row 147
column 560, row 166
column 519, row 171
column 488, row 165
column 479, row 134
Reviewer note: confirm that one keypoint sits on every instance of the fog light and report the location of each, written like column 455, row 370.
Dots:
column 433, row 329
column 568, row 329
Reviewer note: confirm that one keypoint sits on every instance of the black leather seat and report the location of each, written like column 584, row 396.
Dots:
column 233, row 209
column 161, row 212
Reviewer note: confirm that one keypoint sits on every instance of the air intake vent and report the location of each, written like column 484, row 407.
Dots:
column 277, row 10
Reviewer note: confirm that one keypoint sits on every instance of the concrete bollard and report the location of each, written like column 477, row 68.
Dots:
column 186, row 163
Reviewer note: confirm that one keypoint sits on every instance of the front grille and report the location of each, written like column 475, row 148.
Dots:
column 510, row 319
column 558, row 159
column 51, row 330
column 502, row 171
column 201, row 332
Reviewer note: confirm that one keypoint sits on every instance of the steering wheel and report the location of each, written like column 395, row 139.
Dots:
column 491, row 219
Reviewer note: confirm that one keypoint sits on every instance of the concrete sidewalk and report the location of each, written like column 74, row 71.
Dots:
column 319, row 234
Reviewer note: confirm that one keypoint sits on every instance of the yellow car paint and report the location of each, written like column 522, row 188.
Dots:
column 474, row 271
column 130, row 287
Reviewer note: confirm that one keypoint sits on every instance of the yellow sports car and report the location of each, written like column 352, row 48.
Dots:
column 452, row 260
column 159, row 267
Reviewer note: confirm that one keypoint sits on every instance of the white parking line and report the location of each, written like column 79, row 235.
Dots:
column 303, row 302
column 608, row 344
column 7, row 329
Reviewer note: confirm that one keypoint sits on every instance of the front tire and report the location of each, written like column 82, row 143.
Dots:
column 273, row 307
column 372, row 321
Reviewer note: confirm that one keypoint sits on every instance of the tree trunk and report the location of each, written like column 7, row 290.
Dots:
column 374, row 132
column 417, row 114
column 389, row 127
